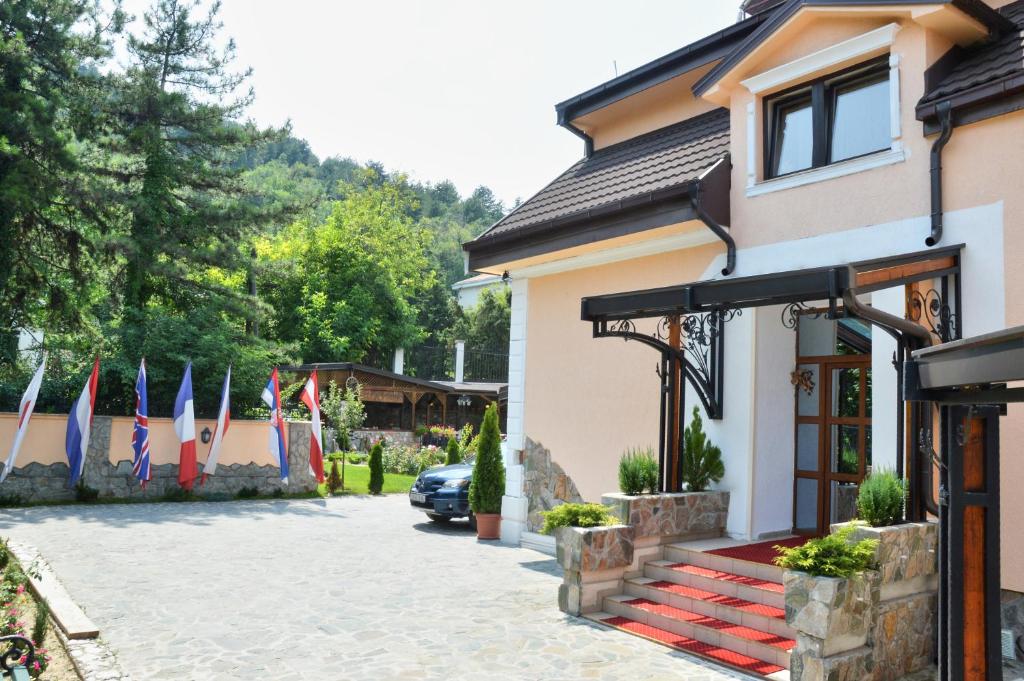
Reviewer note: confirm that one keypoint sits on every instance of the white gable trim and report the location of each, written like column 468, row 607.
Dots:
column 830, row 57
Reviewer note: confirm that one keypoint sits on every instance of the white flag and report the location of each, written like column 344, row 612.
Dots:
column 28, row 403
column 223, row 421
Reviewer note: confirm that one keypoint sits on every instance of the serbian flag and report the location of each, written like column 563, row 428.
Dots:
column 311, row 398
column 79, row 423
column 272, row 397
column 185, row 427
column 28, row 403
column 140, row 431
column 223, row 421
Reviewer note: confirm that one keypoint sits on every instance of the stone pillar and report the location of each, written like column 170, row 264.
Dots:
column 594, row 560
column 300, row 479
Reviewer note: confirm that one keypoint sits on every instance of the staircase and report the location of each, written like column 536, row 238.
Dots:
column 728, row 611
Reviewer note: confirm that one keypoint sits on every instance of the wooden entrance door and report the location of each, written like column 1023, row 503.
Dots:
column 833, row 427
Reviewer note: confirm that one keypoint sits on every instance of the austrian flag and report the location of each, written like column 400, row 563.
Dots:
column 311, row 398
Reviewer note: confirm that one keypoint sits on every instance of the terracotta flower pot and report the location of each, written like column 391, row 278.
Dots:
column 488, row 525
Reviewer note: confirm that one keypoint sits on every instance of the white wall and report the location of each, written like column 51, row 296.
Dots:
column 883, row 382
column 514, row 504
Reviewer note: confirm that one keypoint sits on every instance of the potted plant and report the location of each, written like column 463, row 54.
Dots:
column 638, row 471
column 488, row 483
column 702, row 461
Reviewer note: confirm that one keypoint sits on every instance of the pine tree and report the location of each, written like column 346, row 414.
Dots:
column 454, row 455
column 376, row 469
column 334, row 483
column 702, row 461
column 488, row 483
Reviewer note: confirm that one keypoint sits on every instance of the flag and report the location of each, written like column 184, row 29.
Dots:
column 223, row 421
column 79, row 423
column 140, row 431
column 272, row 396
column 185, row 427
column 311, row 398
column 28, row 403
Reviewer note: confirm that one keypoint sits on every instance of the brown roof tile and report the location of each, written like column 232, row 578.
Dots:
column 665, row 158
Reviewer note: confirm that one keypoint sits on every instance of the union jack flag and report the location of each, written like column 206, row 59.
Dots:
column 140, row 433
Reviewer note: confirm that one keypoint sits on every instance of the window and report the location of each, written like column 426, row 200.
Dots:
column 832, row 119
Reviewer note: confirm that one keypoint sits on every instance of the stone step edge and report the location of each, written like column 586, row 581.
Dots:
column 678, row 614
column 600, row 617
column 649, row 583
column 739, row 566
column 731, row 577
column 73, row 622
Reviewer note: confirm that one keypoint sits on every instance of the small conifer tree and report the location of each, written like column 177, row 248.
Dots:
column 488, row 483
column 702, row 461
column 453, row 452
column 377, row 469
column 334, row 483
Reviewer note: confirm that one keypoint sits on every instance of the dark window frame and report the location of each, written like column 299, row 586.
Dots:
column 822, row 94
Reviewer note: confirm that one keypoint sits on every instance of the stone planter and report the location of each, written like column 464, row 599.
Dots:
column 672, row 517
column 835, row 610
column 907, row 556
column 594, row 560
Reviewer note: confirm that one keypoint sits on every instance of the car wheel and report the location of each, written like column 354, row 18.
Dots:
column 437, row 518
column 472, row 521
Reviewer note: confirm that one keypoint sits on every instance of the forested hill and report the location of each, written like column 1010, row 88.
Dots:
column 144, row 216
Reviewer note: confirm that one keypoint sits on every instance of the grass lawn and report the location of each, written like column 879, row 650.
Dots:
column 357, row 481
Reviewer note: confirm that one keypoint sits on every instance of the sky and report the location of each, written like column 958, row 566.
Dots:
column 449, row 89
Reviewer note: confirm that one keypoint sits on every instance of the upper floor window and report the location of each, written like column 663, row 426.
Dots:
column 831, row 119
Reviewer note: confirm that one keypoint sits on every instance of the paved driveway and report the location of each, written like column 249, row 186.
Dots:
column 349, row 588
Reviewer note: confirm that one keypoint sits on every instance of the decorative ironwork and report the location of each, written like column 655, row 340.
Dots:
column 791, row 314
column 701, row 335
column 803, row 380
column 929, row 309
column 21, row 652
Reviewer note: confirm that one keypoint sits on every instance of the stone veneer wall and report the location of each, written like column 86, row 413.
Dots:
column 545, row 484
column 1012, row 604
column 36, row 482
column 878, row 626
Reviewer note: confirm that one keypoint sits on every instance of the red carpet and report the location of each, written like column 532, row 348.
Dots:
column 737, row 630
column 728, row 577
column 719, row 599
column 762, row 552
column 689, row 645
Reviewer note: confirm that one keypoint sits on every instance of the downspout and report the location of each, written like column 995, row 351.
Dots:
column 588, row 141
column 699, row 207
column 945, row 114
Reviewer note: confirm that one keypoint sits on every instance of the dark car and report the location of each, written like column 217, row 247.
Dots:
column 443, row 493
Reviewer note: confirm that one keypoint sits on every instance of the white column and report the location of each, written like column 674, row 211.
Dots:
column 884, row 424
column 460, row 361
column 514, row 505
column 399, row 365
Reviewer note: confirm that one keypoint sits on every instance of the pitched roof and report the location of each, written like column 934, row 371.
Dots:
column 997, row 60
column 612, row 177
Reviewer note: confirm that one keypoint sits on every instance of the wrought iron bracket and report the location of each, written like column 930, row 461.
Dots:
column 20, row 653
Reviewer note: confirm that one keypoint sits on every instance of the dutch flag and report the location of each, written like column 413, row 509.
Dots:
column 185, row 427
column 272, row 397
column 79, row 423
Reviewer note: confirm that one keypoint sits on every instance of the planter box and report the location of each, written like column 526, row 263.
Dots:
column 670, row 517
column 594, row 560
column 836, row 612
column 907, row 556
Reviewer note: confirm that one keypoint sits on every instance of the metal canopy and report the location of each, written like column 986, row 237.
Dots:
column 969, row 363
column 779, row 288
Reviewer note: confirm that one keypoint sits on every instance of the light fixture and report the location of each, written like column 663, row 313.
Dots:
column 206, row 435
column 464, row 400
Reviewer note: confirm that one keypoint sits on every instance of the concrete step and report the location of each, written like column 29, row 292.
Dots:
column 698, row 635
column 767, row 618
column 684, row 553
column 753, row 589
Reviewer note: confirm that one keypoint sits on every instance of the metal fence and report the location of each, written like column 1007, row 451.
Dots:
column 434, row 362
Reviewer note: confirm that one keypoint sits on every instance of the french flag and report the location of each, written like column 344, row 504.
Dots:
column 140, row 431
column 311, row 398
column 28, row 403
column 223, row 421
column 79, row 423
column 185, row 427
column 272, row 397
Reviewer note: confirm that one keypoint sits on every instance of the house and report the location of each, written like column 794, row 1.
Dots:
column 774, row 217
column 468, row 291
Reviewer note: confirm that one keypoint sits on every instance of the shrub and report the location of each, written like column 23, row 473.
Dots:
column 702, row 461
column 577, row 515
column 356, row 458
column 86, row 494
column 247, row 493
column 880, row 499
column 638, row 470
column 453, row 455
column 5, row 554
column 40, row 623
column 401, row 460
column 334, row 483
column 376, row 469
column 488, row 482
column 830, row 556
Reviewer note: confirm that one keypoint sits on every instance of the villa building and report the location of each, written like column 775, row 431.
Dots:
column 773, row 217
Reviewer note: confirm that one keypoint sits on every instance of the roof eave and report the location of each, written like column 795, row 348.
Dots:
column 981, row 101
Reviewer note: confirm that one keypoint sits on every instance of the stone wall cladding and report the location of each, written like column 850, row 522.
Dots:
column 593, row 560
column 36, row 482
column 1012, row 606
column 890, row 632
column 545, row 484
column 672, row 515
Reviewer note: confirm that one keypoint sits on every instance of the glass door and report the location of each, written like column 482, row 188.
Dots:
column 832, row 381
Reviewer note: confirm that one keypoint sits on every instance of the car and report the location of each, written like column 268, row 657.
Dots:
column 443, row 493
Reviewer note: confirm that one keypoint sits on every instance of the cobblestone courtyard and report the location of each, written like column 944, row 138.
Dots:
column 348, row 588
